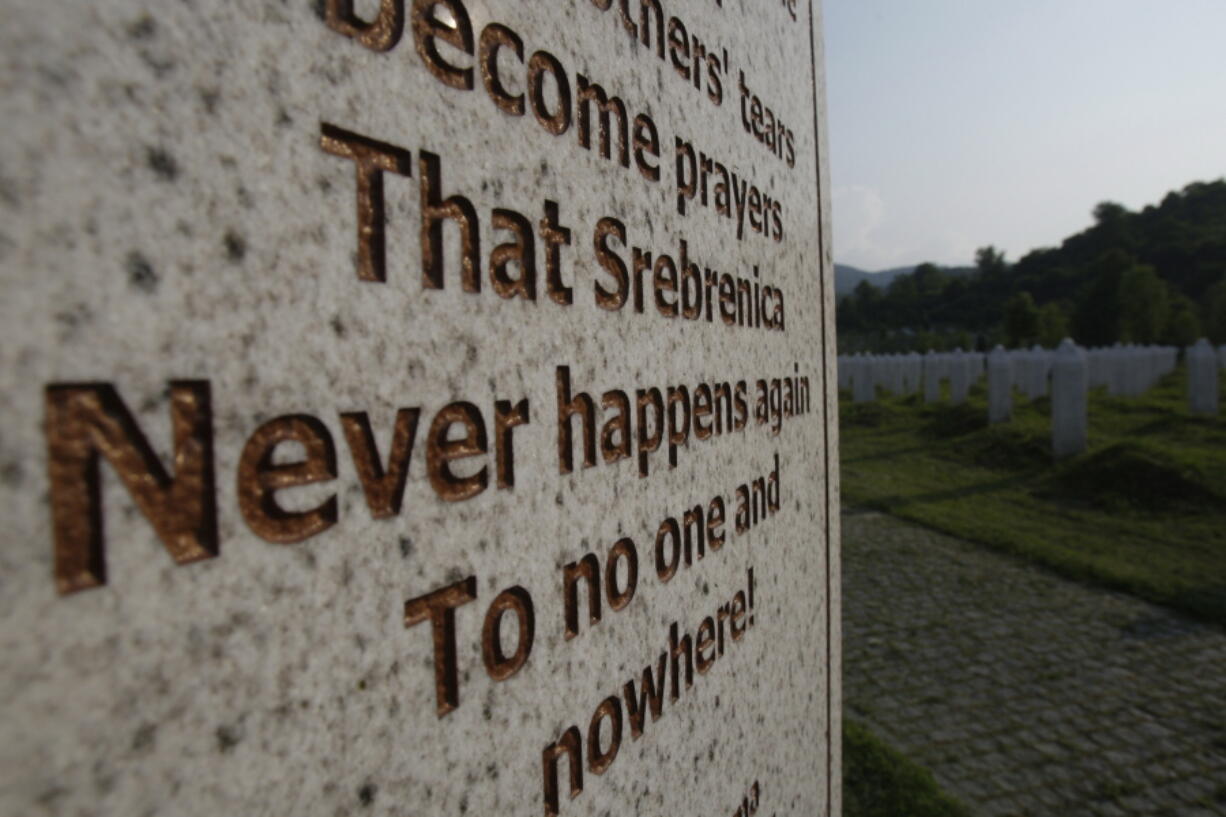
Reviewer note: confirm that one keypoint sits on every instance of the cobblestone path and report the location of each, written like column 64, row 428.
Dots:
column 1024, row 693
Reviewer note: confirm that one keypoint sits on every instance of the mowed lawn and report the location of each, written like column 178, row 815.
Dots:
column 1143, row 510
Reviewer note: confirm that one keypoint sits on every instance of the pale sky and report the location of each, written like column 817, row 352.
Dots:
column 959, row 123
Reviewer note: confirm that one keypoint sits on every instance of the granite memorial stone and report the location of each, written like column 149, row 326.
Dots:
column 417, row 407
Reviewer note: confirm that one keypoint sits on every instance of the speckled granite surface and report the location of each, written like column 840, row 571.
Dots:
column 171, row 210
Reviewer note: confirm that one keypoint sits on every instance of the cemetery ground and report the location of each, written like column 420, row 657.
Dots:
column 1025, row 694
column 1020, row 661
column 1143, row 510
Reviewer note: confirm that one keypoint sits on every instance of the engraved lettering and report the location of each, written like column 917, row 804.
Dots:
column 591, row 93
column 439, row 607
column 498, row 664
column 259, row 479
column 610, row 710
column 506, row 419
column 384, row 487
column 441, row 451
column 580, row 405
column 371, row 158
column 88, row 419
column 434, row 212
column 521, row 252
column 570, row 745
column 494, row 38
column 380, row 34
column 623, row 550
column 427, row 28
column 588, row 569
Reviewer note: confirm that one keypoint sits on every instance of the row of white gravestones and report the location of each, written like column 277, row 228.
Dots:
column 1031, row 370
column 1130, row 371
column 1125, row 370
column 1068, row 368
column 863, row 374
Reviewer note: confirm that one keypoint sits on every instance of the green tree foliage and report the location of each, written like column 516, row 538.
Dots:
column 1109, row 212
column 1096, row 322
column 1021, row 320
column 1182, row 324
column 990, row 262
column 930, row 280
column 1144, row 305
column 1053, row 325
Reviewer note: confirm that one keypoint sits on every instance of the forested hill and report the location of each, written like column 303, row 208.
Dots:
column 1154, row 276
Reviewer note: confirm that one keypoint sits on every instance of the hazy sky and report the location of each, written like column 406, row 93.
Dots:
column 955, row 124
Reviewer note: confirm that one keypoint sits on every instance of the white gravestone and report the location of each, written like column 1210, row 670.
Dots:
column 1117, row 357
column 915, row 372
column 845, row 367
column 1040, row 370
column 1202, row 379
column 959, row 376
column 1000, row 386
column 1069, row 400
column 864, row 381
column 933, row 372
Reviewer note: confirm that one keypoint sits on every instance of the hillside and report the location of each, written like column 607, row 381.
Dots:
column 847, row 278
column 1153, row 276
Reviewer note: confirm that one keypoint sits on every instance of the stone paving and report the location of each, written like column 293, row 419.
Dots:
column 1027, row 694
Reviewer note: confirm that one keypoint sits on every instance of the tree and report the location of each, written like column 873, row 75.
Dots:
column 1144, row 305
column 990, row 262
column 861, row 310
column 1182, row 325
column 866, row 292
column 1109, row 212
column 1096, row 320
column 1053, row 325
column 903, row 289
column 930, row 280
column 847, row 316
column 1021, row 320
column 1182, row 238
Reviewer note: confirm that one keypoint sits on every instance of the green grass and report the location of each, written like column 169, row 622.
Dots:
column 1144, row 510
column 879, row 782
